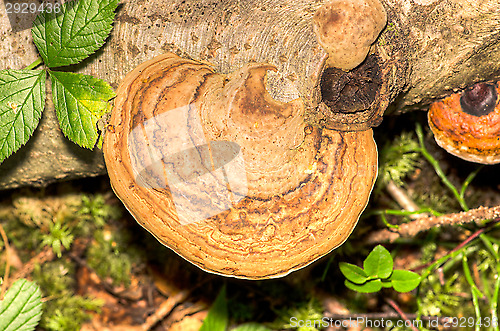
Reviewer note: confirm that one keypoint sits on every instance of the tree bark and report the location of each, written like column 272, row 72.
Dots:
column 427, row 50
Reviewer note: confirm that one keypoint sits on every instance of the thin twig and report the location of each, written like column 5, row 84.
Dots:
column 403, row 200
column 411, row 229
column 7, row 262
column 46, row 255
column 401, row 313
column 165, row 308
column 457, row 248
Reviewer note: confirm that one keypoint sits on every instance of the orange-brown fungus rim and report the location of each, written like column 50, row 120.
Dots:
column 473, row 138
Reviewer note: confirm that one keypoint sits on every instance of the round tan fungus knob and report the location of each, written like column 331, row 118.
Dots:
column 347, row 28
column 229, row 178
column 467, row 124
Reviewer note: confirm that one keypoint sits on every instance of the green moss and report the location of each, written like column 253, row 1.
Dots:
column 398, row 158
column 63, row 310
column 448, row 292
column 36, row 220
column 95, row 210
column 302, row 316
column 111, row 257
column 59, row 236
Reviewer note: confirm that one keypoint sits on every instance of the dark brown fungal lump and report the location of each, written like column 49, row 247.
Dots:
column 479, row 100
column 350, row 101
column 353, row 91
column 229, row 178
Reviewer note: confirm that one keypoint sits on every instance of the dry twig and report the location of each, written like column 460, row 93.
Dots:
column 411, row 229
column 401, row 313
column 7, row 262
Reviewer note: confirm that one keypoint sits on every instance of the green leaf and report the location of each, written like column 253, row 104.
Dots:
column 22, row 98
column 21, row 308
column 368, row 287
column 79, row 100
column 386, row 283
column 73, row 34
column 217, row 317
column 378, row 263
column 404, row 280
column 353, row 273
column 251, row 327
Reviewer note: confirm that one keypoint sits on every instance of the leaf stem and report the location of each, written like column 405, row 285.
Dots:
column 34, row 64
column 399, row 212
column 437, row 168
column 468, row 180
column 494, row 301
column 474, row 290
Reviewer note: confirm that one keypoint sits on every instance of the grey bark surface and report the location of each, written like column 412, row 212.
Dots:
column 427, row 50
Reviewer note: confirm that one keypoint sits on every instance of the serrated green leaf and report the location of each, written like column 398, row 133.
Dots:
column 217, row 317
column 404, row 280
column 79, row 100
column 251, row 327
column 21, row 308
column 22, row 98
column 368, row 287
column 378, row 263
column 353, row 273
column 73, row 34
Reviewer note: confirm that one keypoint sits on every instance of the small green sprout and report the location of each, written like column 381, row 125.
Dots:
column 58, row 236
column 377, row 272
column 95, row 209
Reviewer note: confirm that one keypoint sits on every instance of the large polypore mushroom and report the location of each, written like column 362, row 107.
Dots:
column 467, row 124
column 230, row 179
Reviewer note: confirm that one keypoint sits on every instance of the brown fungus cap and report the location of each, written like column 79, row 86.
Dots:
column 467, row 124
column 230, row 179
column 347, row 29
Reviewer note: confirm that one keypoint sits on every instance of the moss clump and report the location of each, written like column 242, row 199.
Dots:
column 36, row 220
column 398, row 158
column 301, row 316
column 63, row 310
column 111, row 258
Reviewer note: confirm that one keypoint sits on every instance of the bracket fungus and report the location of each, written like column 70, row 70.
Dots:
column 229, row 178
column 347, row 29
column 467, row 124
